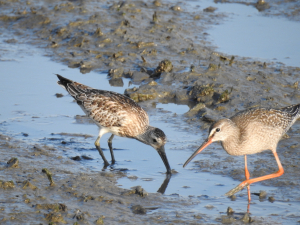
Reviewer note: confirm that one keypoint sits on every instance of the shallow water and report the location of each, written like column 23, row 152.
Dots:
column 28, row 89
column 246, row 32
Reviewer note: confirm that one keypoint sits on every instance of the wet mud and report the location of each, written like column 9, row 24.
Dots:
column 65, row 193
column 163, row 49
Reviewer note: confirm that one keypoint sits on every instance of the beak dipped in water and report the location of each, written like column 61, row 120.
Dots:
column 206, row 143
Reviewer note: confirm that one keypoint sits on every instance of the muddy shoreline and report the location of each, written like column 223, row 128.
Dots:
column 165, row 50
column 75, row 193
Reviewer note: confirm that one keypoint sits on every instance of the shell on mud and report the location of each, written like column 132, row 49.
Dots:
column 164, row 66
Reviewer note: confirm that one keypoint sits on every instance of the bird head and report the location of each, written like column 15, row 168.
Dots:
column 156, row 138
column 218, row 131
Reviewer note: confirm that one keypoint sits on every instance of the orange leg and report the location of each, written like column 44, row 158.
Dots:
column 273, row 175
column 247, row 175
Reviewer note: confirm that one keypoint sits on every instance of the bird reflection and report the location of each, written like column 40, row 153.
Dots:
column 165, row 183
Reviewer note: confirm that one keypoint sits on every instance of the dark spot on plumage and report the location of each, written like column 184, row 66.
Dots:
column 79, row 102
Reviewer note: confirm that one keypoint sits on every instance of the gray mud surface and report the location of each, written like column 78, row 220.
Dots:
column 164, row 50
column 74, row 195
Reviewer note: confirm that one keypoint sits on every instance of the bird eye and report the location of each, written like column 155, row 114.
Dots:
column 218, row 129
column 154, row 140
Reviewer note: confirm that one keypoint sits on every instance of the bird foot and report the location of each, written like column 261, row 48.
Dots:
column 237, row 189
column 106, row 164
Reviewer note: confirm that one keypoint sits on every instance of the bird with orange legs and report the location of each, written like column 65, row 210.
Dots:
column 252, row 131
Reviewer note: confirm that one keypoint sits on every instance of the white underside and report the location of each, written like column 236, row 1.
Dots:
column 104, row 130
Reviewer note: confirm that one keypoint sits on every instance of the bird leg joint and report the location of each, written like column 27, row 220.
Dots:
column 237, row 188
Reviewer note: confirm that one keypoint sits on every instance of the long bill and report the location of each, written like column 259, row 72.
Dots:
column 206, row 143
column 162, row 153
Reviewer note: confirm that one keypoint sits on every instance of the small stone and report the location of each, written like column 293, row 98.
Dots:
column 262, row 194
column 210, row 9
column 13, row 163
column 55, row 217
column 6, row 184
column 271, row 199
column 76, row 158
column 227, row 220
column 157, row 3
column 140, row 191
column 116, row 73
column 116, row 82
column 27, row 184
column 233, row 198
column 100, row 220
column 246, row 218
column 139, row 76
column 138, row 209
column 229, row 211
column 164, row 66
column 59, row 95
column 176, row 8
column 197, row 217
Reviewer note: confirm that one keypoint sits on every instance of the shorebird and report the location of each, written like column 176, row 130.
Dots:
column 252, row 131
column 116, row 114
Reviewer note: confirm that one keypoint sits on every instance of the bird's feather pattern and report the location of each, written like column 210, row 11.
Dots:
column 109, row 109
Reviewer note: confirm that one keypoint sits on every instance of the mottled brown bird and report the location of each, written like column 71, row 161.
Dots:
column 252, row 131
column 117, row 114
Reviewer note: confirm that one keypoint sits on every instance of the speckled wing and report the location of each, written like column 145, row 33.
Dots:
column 109, row 109
column 276, row 119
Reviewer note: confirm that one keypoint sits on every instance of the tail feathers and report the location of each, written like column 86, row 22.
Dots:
column 63, row 82
column 70, row 86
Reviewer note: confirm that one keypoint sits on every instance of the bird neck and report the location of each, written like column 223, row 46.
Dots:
column 233, row 141
column 144, row 137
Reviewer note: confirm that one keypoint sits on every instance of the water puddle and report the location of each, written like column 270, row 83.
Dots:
column 33, row 113
column 247, row 33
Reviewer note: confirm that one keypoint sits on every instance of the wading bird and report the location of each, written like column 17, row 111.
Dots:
column 252, row 131
column 116, row 114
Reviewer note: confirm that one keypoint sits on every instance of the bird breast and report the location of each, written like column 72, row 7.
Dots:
column 253, row 138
